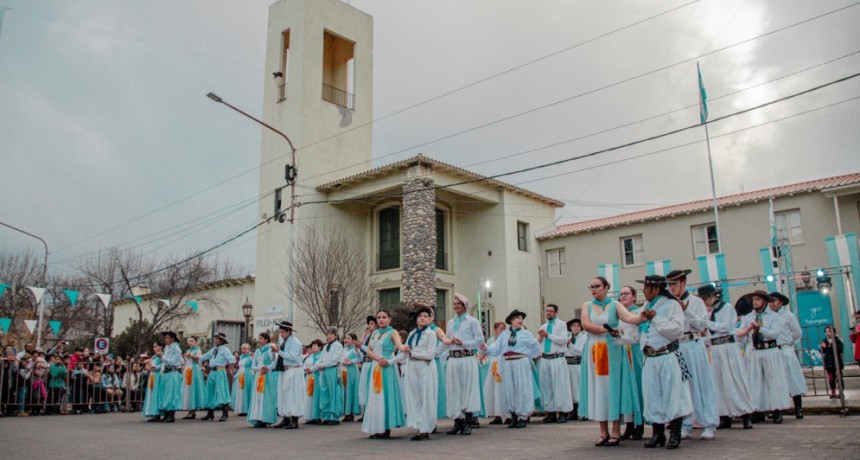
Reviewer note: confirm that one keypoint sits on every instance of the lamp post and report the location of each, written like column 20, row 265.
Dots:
column 43, row 280
column 247, row 309
column 290, row 175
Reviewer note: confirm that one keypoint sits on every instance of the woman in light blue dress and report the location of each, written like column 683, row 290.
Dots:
column 153, row 384
column 192, row 380
column 264, row 401
column 352, row 356
column 243, row 382
column 384, row 409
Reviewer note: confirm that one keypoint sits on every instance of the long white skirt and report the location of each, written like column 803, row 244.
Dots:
column 494, row 391
column 363, row 379
column 730, row 379
column 419, row 400
column 793, row 373
column 766, row 378
column 518, row 384
column 574, row 370
column 291, row 393
column 554, row 381
column 461, row 385
column 667, row 396
column 239, row 403
column 598, row 385
column 702, row 388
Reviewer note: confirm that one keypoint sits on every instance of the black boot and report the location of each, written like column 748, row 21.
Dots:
column 293, row 424
column 458, row 427
column 628, row 432
column 725, row 422
column 550, row 418
column 798, row 406
column 169, row 418
column 513, row 420
column 210, row 414
column 562, row 417
column 777, row 416
column 283, row 423
column 223, row 414
column 757, row 417
column 157, row 418
column 467, row 425
column 674, row 433
column 640, row 433
column 747, row 421
column 658, row 436
column 496, row 421
column 521, row 423
column 574, row 415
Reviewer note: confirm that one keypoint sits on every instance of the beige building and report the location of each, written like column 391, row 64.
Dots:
column 805, row 213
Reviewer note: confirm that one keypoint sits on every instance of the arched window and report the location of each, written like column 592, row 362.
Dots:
column 389, row 238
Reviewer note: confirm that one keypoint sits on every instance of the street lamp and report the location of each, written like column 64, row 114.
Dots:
column 43, row 280
column 247, row 308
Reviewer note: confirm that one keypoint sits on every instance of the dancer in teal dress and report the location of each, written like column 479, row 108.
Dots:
column 170, row 399
column 384, row 409
column 217, row 386
column 312, row 414
column 153, row 386
column 193, row 393
column 352, row 356
column 329, row 398
column 243, row 382
column 264, row 403
column 631, row 370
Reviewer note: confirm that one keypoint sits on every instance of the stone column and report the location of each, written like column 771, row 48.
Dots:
column 419, row 236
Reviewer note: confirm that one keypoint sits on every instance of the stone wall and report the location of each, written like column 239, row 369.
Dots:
column 419, row 236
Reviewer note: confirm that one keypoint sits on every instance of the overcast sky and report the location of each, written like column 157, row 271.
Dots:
column 107, row 138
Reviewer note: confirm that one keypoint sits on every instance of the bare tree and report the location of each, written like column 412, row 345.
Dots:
column 330, row 282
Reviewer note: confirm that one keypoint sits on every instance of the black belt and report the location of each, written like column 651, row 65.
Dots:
column 574, row 360
column 168, row 370
column 690, row 336
column 368, row 359
column 765, row 345
column 552, row 355
column 652, row 352
column 723, row 339
column 219, row 368
column 461, row 353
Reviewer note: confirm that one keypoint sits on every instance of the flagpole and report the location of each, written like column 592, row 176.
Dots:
column 704, row 119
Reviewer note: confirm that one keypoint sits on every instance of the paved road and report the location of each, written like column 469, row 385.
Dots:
column 127, row 437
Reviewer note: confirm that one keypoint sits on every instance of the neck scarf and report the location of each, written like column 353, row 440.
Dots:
column 603, row 302
column 512, row 340
column 547, row 343
column 457, row 320
column 646, row 325
column 416, row 337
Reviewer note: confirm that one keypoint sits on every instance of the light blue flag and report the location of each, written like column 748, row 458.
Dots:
column 712, row 269
column 658, row 267
column 770, row 268
column 5, row 323
column 55, row 326
column 191, row 304
column 703, row 98
column 3, row 288
column 842, row 251
column 72, row 295
column 612, row 274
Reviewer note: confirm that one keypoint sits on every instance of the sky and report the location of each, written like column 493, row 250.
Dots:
column 107, row 138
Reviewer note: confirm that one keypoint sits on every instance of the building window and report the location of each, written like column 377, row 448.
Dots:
column 705, row 240
column 788, row 228
column 441, row 307
column 389, row 299
column 555, row 260
column 338, row 70
column 389, row 238
column 523, row 236
column 284, row 71
column 441, row 243
column 631, row 250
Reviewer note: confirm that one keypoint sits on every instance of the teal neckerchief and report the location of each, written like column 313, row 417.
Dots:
column 603, row 302
column 457, row 320
column 416, row 336
column 547, row 343
column 646, row 325
column 512, row 340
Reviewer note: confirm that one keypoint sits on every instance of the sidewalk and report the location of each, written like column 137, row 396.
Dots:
column 822, row 404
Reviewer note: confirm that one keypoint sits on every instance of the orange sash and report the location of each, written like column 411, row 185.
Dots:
column 242, row 381
column 261, row 383
column 188, row 375
column 495, row 369
column 310, row 389
column 343, row 373
column 377, row 379
column 600, row 357
column 151, row 381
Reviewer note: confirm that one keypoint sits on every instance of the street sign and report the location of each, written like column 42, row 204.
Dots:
column 101, row 345
column 267, row 323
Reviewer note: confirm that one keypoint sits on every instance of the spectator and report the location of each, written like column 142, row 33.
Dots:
column 39, row 384
column 78, row 355
column 8, row 381
column 131, row 383
column 855, row 334
column 29, row 349
column 827, row 351
column 25, row 371
column 111, row 385
column 79, row 388
column 57, row 374
column 95, row 391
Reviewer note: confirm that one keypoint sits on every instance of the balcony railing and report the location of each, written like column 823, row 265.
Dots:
column 338, row 97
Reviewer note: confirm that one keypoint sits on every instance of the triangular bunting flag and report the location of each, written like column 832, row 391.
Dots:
column 191, row 304
column 105, row 298
column 31, row 324
column 37, row 293
column 3, row 288
column 165, row 302
column 5, row 323
column 138, row 299
column 55, row 326
column 72, row 295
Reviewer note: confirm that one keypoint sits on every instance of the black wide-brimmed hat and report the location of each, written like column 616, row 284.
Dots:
column 708, row 289
column 780, row 297
column 764, row 295
column 370, row 319
column 514, row 313
column 286, row 325
column 653, row 280
column 675, row 275
column 573, row 321
column 170, row 333
column 222, row 336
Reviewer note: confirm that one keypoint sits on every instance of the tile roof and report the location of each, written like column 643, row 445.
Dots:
column 437, row 167
column 698, row 206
